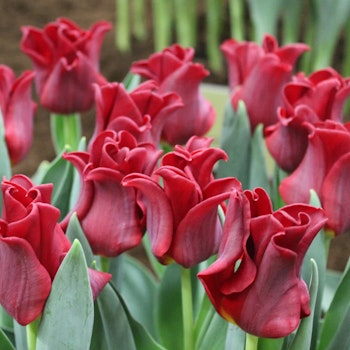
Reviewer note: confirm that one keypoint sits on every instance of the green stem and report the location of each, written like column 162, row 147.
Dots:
column 162, row 22
column 104, row 263
column 122, row 28
column 251, row 342
column 187, row 309
column 65, row 130
column 186, row 22
column 32, row 333
column 236, row 19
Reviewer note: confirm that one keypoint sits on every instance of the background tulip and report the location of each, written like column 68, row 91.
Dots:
column 66, row 62
column 255, row 282
column 319, row 97
column 17, row 108
column 250, row 65
column 174, row 71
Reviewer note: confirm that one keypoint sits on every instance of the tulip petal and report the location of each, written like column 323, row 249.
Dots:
column 24, row 289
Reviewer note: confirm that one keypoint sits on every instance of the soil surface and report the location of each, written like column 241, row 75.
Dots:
column 114, row 65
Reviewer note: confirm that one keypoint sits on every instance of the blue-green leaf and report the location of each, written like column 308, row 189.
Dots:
column 337, row 311
column 235, row 141
column 60, row 173
column 235, row 338
column 5, row 343
column 303, row 337
column 140, row 301
column 258, row 173
column 67, row 319
column 168, row 309
column 131, row 81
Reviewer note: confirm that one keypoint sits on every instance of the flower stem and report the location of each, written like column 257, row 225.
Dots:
column 187, row 310
column 104, row 263
column 65, row 130
column 251, row 342
column 32, row 333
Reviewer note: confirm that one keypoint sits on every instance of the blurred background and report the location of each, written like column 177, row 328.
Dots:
column 142, row 27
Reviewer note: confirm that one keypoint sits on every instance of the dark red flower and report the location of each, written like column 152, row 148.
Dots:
column 108, row 212
column 255, row 281
column 66, row 62
column 173, row 69
column 32, row 247
column 182, row 216
column 258, row 74
column 325, row 169
column 17, row 109
column 312, row 99
column 142, row 112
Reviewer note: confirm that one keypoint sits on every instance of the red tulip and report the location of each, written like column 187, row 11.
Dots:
column 324, row 169
column 66, row 62
column 108, row 212
column 312, row 99
column 32, row 246
column 17, row 108
column 142, row 112
column 258, row 74
column 182, row 217
column 173, row 69
column 255, row 281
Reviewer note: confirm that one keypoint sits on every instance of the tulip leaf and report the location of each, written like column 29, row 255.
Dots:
column 215, row 336
column 203, row 318
column 332, row 281
column 131, row 81
column 168, row 309
column 235, row 141
column 67, row 319
column 140, row 301
column 116, row 325
column 5, row 343
column 341, row 339
column 73, row 232
column 157, row 267
column 270, row 343
column 258, row 176
column 337, row 312
column 20, row 334
column 5, row 169
column 235, row 338
column 303, row 336
column 60, row 173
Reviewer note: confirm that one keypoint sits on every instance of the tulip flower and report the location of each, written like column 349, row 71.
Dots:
column 255, row 281
column 182, row 217
column 17, row 109
column 324, row 169
column 316, row 98
column 173, row 69
column 251, row 67
column 109, row 212
column 66, row 62
column 32, row 246
column 143, row 112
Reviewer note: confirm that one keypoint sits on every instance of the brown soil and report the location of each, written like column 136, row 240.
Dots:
column 114, row 65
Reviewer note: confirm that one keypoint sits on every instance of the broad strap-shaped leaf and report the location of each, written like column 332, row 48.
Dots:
column 69, row 307
column 337, row 312
column 258, row 173
column 303, row 336
column 235, row 141
column 131, row 81
column 5, row 343
column 235, row 338
column 60, row 173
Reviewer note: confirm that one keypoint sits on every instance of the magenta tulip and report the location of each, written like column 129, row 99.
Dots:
column 17, row 109
column 312, row 99
column 257, row 75
column 32, row 247
column 173, row 69
column 182, row 216
column 66, row 62
column 255, row 281
column 109, row 212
